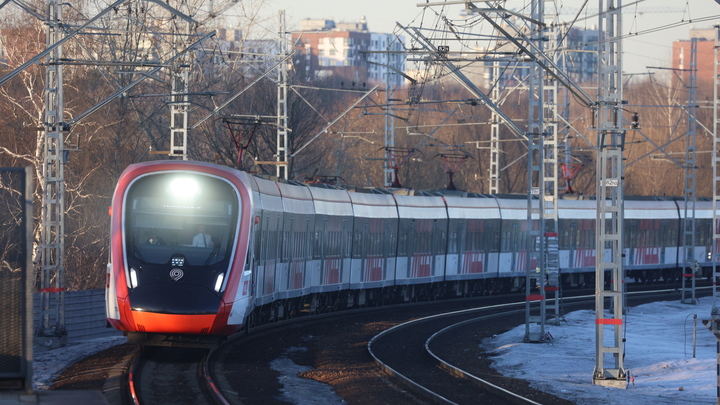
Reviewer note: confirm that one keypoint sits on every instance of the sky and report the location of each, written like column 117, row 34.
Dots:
column 657, row 23
column 658, row 354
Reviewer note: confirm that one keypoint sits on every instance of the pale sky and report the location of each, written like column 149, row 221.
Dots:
column 663, row 21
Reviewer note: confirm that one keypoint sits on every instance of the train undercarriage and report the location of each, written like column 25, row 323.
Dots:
column 318, row 303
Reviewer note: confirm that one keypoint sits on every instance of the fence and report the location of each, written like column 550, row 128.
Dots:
column 84, row 315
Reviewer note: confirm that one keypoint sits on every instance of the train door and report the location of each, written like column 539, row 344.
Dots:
column 269, row 241
column 331, row 243
column 474, row 251
column 456, row 246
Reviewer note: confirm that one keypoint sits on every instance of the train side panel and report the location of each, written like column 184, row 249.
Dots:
column 375, row 230
column 576, row 237
column 238, row 284
column 268, row 243
column 650, row 235
column 298, row 225
column 513, row 251
column 422, row 239
column 704, row 232
column 332, row 240
column 473, row 238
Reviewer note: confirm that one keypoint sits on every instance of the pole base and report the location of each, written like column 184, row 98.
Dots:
column 611, row 382
column 45, row 343
column 611, row 377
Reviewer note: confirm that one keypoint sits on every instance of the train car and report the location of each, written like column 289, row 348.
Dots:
column 179, row 241
column 473, row 247
column 200, row 251
column 576, row 241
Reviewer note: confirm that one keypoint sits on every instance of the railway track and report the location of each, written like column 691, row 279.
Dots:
column 335, row 349
column 431, row 369
column 171, row 375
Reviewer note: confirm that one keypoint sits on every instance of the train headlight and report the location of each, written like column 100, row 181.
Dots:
column 133, row 278
column 183, row 187
column 219, row 281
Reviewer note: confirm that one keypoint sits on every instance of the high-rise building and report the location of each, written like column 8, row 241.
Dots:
column 349, row 52
column 578, row 53
column 705, row 57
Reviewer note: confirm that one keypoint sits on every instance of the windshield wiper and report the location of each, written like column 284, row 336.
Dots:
column 214, row 252
column 138, row 255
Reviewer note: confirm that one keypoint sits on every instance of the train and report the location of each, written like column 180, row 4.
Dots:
column 200, row 251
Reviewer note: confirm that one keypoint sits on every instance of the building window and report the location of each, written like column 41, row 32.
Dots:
column 321, row 52
column 332, row 52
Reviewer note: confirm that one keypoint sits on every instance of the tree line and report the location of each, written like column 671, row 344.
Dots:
column 434, row 119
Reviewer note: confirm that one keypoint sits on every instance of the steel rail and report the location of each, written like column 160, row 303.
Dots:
column 456, row 371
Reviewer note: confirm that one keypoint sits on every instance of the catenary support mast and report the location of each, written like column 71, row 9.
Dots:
column 179, row 97
column 535, row 242
column 716, row 178
column 712, row 324
column 690, row 263
column 551, row 254
column 494, row 170
column 282, row 152
column 52, row 332
column 610, row 201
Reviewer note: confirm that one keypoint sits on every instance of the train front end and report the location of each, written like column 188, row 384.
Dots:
column 179, row 239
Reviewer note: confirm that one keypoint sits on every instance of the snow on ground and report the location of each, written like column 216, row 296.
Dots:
column 658, row 353
column 298, row 390
column 48, row 365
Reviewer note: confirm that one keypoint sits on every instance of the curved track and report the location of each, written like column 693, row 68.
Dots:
column 171, row 375
column 423, row 342
column 416, row 352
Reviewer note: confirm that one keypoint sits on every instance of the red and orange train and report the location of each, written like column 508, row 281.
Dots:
column 201, row 251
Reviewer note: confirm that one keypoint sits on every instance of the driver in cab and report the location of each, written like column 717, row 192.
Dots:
column 202, row 239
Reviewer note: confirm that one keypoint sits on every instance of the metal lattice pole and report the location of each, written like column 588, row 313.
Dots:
column 551, row 249
column 52, row 332
column 716, row 180
column 388, row 171
column 535, row 243
column 282, row 150
column 610, row 200
column 179, row 97
column 690, row 263
column 494, row 170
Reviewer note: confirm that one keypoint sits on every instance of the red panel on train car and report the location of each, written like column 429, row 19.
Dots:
column 473, row 263
column 297, row 269
column 647, row 255
column 269, row 277
column 332, row 271
column 584, row 257
column 373, row 269
column 421, row 266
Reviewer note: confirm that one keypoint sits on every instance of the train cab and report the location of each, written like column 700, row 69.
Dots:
column 174, row 250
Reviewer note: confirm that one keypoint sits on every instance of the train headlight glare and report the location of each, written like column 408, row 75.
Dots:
column 184, row 187
column 133, row 278
column 219, row 282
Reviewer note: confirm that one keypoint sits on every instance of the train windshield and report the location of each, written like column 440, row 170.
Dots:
column 180, row 219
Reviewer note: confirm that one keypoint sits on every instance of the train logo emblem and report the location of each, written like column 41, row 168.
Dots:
column 176, row 274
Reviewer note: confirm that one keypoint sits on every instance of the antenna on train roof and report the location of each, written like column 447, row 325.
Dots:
column 396, row 157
